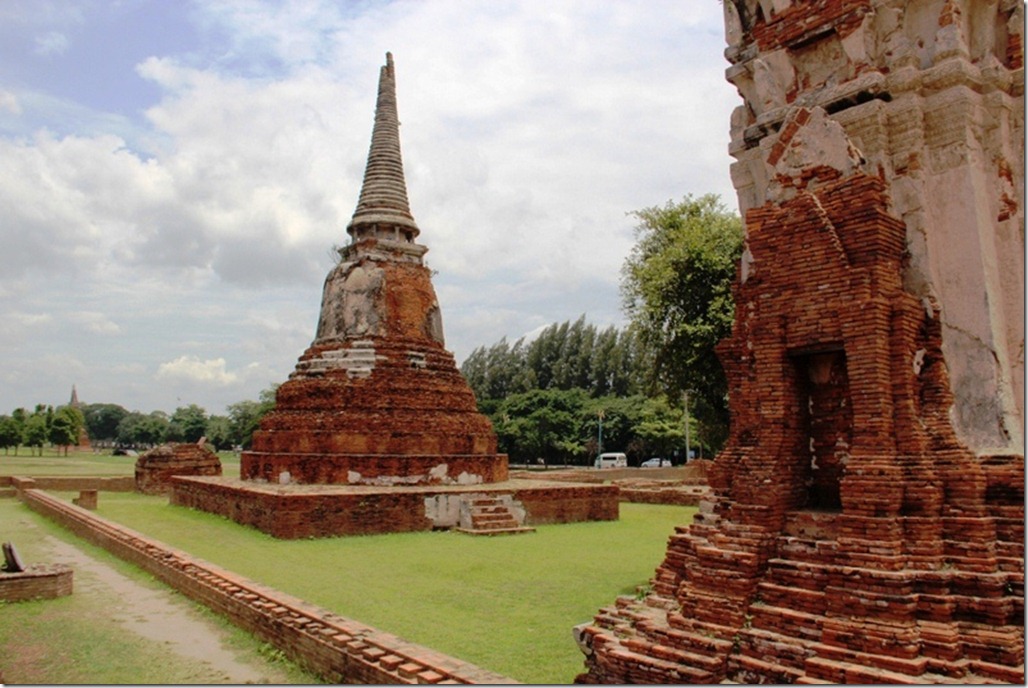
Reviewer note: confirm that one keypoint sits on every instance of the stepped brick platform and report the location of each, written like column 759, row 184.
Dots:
column 300, row 511
column 866, row 521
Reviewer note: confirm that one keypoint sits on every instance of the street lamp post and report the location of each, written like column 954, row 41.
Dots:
column 599, row 436
column 685, row 404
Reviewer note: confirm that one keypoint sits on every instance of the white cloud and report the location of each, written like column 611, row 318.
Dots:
column 528, row 132
column 51, row 43
column 191, row 368
column 9, row 102
column 97, row 323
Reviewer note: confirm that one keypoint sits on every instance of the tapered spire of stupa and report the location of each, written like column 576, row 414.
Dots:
column 382, row 209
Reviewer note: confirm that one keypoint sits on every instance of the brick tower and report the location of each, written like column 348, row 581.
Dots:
column 867, row 517
column 376, row 399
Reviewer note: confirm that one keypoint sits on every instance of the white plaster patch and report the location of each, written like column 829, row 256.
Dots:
column 353, row 477
column 469, row 479
column 918, row 361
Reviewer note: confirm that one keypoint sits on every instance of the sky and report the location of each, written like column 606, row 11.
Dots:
column 175, row 176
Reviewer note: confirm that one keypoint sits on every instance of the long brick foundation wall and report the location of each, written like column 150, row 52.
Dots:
column 322, row 511
column 337, row 649
column 72, row 483
column 39, row 582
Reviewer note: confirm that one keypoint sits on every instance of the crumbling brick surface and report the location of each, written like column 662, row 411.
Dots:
column 867, row 514
column 155, row 468
column 850, row 536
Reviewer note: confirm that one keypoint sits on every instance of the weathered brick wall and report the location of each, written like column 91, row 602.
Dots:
column 298, row 515
column 316, row 511
column 365, row 404
column 563, row 505
column 72, row 483
column 374, row 469
column 337, row 649
column 36, row 582
column 932, row 97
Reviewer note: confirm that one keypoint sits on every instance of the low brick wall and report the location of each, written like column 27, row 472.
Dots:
column 337, row 649
column 299, row 515
column 300, row 511
column 567, row 503
column 676, row 496
column 75, row 483
column 38, row 582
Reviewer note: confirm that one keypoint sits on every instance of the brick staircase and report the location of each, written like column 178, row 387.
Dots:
column 815, row 617
column 484, row 515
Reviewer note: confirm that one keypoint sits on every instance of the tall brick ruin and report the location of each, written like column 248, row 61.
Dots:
column 376, row 431
column 867, row 517
column 376, row 399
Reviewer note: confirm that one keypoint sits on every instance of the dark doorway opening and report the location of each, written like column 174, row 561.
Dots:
column 827, row 423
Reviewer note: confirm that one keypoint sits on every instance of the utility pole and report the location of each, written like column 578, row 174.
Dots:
column 685, row 405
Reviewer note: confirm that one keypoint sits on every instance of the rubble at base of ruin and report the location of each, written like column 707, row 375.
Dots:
column 156, row 467
column 866, row 523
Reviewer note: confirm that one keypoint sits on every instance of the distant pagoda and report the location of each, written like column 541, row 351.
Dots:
column 376, row 399
column 83, row 439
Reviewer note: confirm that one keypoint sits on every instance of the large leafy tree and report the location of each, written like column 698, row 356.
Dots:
column 10, row 434
column 102, row 420
column 245, row 416
column 142, row 430
column 187, row 424
column 65, row 427
column 36, row 431
column 677, row 290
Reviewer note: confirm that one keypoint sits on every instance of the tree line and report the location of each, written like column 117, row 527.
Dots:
column 546, row 396
column 112, row 425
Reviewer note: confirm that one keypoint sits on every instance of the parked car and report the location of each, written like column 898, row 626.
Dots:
column 611, row 460
column 656, row 462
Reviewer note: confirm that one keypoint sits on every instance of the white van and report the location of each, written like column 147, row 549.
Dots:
column 611, row 460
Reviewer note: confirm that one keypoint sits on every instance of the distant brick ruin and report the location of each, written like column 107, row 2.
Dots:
column 376, row 430
column 867, row 517
column 156, row 467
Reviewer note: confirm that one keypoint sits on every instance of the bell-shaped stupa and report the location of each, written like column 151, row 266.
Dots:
column 376, row 399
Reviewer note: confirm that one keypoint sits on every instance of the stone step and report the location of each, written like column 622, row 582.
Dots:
column 643, row 669
column 516, row 530
column 748, row 669
column 835, row 671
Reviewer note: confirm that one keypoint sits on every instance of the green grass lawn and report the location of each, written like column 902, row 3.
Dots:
column 504, row 603
column 74, row 640
column 86, row 462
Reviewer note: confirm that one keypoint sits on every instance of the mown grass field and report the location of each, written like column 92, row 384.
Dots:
column 504, row 603
column 75, row 640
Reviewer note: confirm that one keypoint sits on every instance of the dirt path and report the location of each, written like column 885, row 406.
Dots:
column 157, row 613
